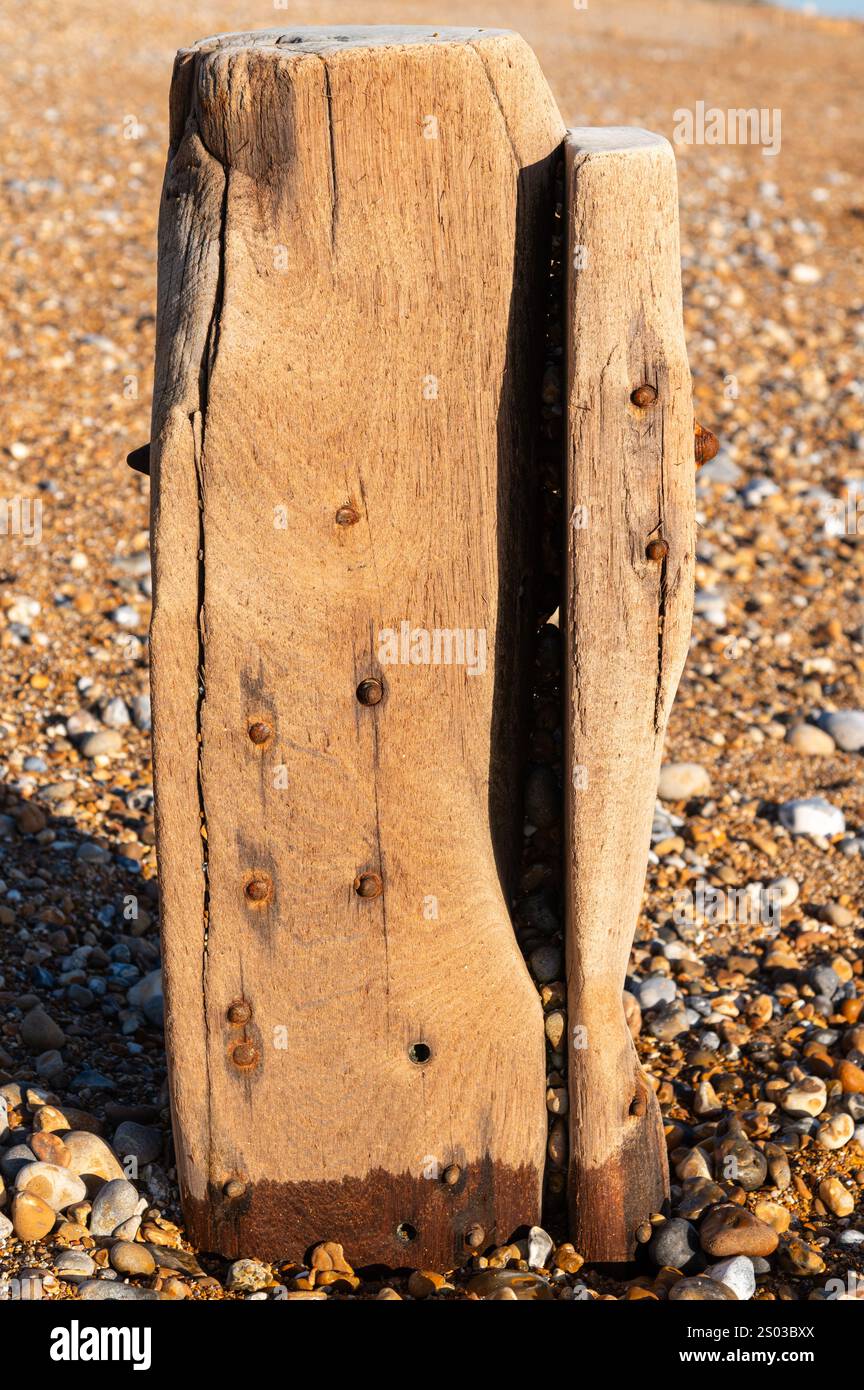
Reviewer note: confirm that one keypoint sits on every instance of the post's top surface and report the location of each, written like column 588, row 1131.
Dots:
column 613, row 139
column 317, row 38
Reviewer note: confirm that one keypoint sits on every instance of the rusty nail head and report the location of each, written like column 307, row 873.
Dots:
column 234, row 1188
column 258, row 889
column 368, row 885
column 239, row 1012
column 260, row 732
column 644, row 395
column 347, row 516
column 370, row 691
column 451, row 1175
column 657, row 549
column 474, row 1237
column 244, row 1055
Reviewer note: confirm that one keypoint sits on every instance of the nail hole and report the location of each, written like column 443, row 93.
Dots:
column 419, row 1053
column 346, row 516
column 406, row 1232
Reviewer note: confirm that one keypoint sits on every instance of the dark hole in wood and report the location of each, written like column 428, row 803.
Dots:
column 419, row 1053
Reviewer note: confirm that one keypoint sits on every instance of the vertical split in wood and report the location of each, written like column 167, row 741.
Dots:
column 630, row 563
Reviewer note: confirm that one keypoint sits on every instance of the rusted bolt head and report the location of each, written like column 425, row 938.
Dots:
column 260, row 732
column 474, row 1237
column 234, row 1188
column 705, row 444
column 239, row 1012
column 258, row 889
column 347, row 516
column 244, row 1055
column 368, row 885
column 370, row 691
column 644, row 395
column 657, row 549
column 451, row 1175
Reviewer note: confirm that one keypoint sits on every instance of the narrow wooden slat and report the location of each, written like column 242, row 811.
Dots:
column 630, row 560
column 350, row 451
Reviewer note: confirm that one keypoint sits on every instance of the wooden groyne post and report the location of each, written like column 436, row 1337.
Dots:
column 353, row 255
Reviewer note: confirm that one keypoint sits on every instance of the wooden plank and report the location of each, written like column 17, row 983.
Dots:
column 628, row 604
column 343, row 434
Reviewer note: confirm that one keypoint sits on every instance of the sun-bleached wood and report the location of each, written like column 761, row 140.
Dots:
column 351, row 255
column 628, row 605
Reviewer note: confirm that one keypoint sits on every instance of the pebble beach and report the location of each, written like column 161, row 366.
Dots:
column 745, row 990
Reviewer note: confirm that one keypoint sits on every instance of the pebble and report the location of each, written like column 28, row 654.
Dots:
column 796, row 1257
column 39, row 1032
column 106, row 743
column 676, row 1243
column 525, row 1286
column 141, row 1142
column 546, row 963
column 732, row 1230
column 74, row 1265
column 57, row 1186
column 808, row 739
column 247, row 1276
column 91, row 1156
column 32, row 1217
column 113, row 1204
column 741, row 1162
column 95, row 1290
column 700, row 1290
column 540, row 1246
column 812, row 816
column 846, row 728
column 807, row 1097
column 667, row 1022
column 736, row 1274
column 785, row 890
column 141, row 716
column 128, row 1257
column 681, row 781
column 656, row 989
column 837, row 1198
column 851, row 1077
column 836, row 1132
column 115, row 715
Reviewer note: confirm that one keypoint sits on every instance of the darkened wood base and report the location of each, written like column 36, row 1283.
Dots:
column 608, row 1203
column 384, row 1219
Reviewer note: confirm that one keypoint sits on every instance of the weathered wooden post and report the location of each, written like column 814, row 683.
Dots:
column 629, row 590
column 353, row 250
column 351, row 262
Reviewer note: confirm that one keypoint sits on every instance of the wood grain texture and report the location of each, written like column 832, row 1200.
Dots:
column 629, row 482
column 342, row 443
